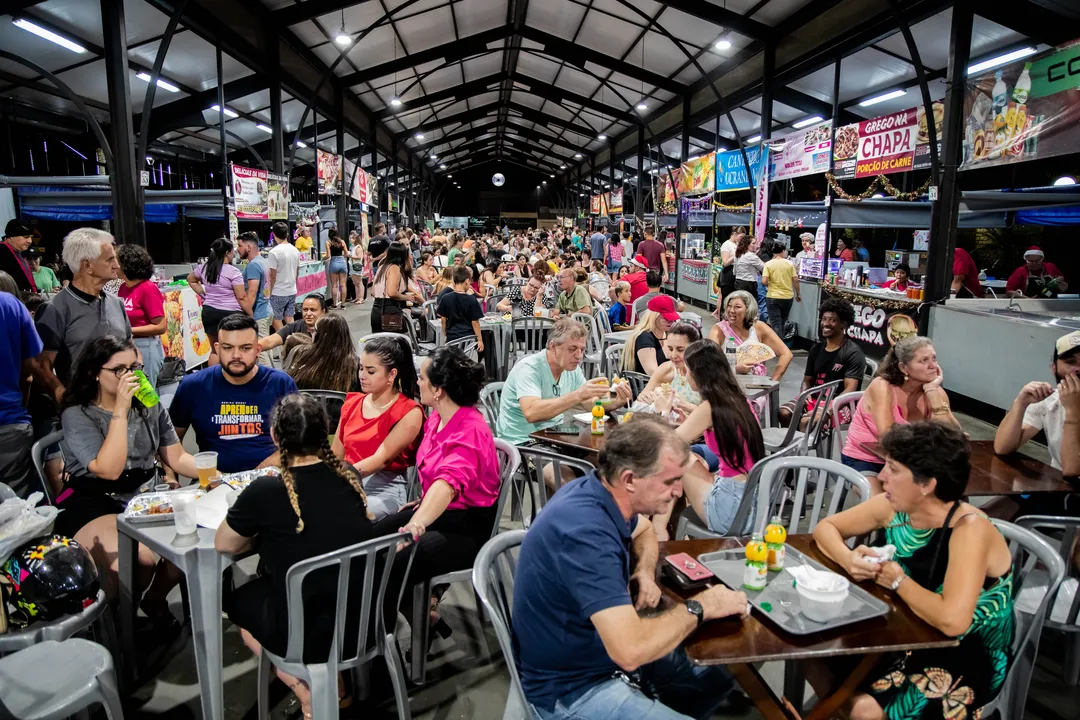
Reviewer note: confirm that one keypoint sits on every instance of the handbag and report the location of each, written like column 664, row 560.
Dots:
column 393, row 319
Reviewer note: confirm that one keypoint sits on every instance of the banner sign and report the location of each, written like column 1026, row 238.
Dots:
column 184, row 338
column 1024, row 111
column 761, row 203
column 879, row 324
column 731, row 170
column 698, row 176
column 801, row 153
column 597, row 205
column 615, row 203
column 329, row 170
column 667, row 191
column 892, row 143
column 249, row 192
column 277, row 188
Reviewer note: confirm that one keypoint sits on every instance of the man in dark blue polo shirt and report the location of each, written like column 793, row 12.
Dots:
column 582, row 649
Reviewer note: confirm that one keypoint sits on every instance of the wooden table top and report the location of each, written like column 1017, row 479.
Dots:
column 584, row 441
column 721, row 642
column 993, row 474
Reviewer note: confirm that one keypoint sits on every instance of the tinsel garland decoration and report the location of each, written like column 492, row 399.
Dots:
column 732, row 208
column 858, row 298
column 881, row 182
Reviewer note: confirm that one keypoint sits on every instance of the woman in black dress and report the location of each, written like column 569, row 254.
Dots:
column 317, row 506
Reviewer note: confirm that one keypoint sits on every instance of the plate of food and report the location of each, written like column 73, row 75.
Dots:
column 155, row 507
column 847, row 142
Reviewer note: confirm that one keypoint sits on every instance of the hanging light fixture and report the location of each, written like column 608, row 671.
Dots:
column 641, row 106
column 395, row 101
column 343, row 38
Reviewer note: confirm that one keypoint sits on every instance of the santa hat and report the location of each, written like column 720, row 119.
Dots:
column 1034, row 251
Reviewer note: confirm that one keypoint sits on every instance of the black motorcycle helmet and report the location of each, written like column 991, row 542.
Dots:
column 51, row 576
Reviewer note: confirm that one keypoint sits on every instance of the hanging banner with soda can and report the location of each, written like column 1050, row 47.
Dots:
column 615, row 203
column 804, row 152
column 249, row 192
column 329, row 170
column 1023, row 111
column 897, row 142
column 698, row 176
column 277, row 199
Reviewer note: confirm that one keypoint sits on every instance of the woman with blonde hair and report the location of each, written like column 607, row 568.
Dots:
column 334, row 515
column 445, row 280
column 645, row 345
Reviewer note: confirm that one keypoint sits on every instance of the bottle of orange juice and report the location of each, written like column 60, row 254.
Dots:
column 756, row 572
column 598, row 418
column 775, row 537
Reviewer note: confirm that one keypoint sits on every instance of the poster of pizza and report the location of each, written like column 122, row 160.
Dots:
column 250, row 192
column 329, row 170
column 277, row 199
column 897, row 142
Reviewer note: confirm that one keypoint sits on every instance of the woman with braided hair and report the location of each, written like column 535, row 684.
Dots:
column 316, row 506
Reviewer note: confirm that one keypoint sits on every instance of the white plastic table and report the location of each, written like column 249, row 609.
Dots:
column 202, row 566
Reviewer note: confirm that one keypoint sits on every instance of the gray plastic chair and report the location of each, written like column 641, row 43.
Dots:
column 1069, row 530
column 871, row 370
column 691, row 526
column 812, row 435
column 601, row 315
column 528, row 336
column 52, row 680
column 509, row 460
column 490, row 397
column 535, row 459
column 37, row 456
column 841, row 412
column 594, row 354
column 493, row 578
column 804, row 505
column 325, row 398
column 372, row 336
column 468, row 346
column 638, row 381
column 612, row 359
column 92, row 617
column 380, row 554
column 1029, row 549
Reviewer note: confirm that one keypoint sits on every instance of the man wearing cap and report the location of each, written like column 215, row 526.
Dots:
column 1036, row 278
column 17, row 239
column 1054, row 411
column 807, row 248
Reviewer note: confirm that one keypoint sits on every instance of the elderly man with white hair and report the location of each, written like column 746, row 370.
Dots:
column 82, row 311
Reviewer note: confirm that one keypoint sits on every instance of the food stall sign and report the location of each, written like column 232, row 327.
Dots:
column 277, row 196
column 880, row 323
column 897, row 142
column 801, row 153
column 1023, row 111
column 698, row 176
column 249, row 192
column 761, row 205
column 329, row 172
column 731, row 170
column 615, row 204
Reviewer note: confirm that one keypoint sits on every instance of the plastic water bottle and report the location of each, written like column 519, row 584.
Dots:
column 729, row 351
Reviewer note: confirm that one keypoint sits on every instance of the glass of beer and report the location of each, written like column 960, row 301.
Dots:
column 206, row 464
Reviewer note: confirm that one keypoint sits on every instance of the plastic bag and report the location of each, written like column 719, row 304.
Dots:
column 21, row 521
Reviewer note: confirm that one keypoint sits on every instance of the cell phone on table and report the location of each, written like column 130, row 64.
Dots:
column 565, row 430
column 685, row 572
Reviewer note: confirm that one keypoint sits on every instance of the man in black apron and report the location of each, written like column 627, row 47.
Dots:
column 1036, row 278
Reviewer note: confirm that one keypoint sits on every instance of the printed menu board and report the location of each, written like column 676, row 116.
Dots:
column 897, row 142
column 249, row 192
column 277, row 199
column 801, row 153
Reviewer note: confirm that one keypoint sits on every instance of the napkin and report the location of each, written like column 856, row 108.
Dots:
column 211, row 508
column 884, row 554
column 818, row 580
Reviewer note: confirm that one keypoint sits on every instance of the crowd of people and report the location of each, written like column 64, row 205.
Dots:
column 588, row 563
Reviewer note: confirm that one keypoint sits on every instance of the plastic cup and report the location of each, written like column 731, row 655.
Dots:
column 183, row 506
column 206, row 464
column 146, row 394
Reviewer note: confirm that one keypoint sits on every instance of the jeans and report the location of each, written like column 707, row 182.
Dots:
column 779, row 311
column 153, row 356
column 763, row 309
column 672, row 688
column 264, row 331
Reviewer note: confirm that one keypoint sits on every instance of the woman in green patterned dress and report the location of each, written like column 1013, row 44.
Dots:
column 952, row 567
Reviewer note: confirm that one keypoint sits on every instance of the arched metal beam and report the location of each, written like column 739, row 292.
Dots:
column 924, row 87
column 106, row 149
column 151, row 86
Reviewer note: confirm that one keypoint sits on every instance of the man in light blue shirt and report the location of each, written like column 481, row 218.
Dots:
column 541, row 387
column 255, row 282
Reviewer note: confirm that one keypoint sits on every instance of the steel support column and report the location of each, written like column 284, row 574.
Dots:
column 639, row 199
column 680, row 222
column 768, row 70
column 611, row 180
column 373, row 207
column 828, row 188
column 944, row 212
column 127, row 220
column 226, row 181
column 343, row 198
column 277, row 148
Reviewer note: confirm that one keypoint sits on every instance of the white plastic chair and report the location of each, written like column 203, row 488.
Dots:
column 841, row 413
column 493, row 579
column 37, row 456
column 468, row 346
column 803, row 505
column 871, row 370
column 490, row 398
column 594, row 356
column 57, row 680
column 528, row 336
column 533, row 461
column 509, row 460
column 811, row 436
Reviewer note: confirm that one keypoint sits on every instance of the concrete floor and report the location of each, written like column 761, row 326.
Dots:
column 467, row 677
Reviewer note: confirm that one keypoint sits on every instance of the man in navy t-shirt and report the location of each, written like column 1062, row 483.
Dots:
column 229, row 405
column 582, row 649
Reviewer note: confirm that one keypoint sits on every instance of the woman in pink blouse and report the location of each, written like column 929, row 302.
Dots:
column 458, row 470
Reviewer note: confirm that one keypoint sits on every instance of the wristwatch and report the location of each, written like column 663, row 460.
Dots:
column 694, row 608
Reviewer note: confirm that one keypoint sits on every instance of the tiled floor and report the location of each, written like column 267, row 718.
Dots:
column 467, row 674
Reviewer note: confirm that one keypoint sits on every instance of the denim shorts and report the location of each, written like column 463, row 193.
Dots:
column 862, row 466
column 337, row 265
column 282, row 305
column 723, row 503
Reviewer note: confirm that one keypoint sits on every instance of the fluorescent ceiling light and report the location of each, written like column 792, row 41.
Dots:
column 1001, row 60
column 163, row 84
column 882, row 98
column 562, row 167
column 1064, row 180
column 442, row 167
column 300, row 144
column 264, row 128
column 723, row 44
column 807, row 121
column 419, row 136
column 642, row 107
column 577, row 156
column 543, row 182
column 228, row 112
column 754, row 139
column 49, row 35
column 601, row 136
column 551, row 176
column 450, row 176
column 395, row 102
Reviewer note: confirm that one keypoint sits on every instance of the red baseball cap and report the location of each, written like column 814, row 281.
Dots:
column 665, row 305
